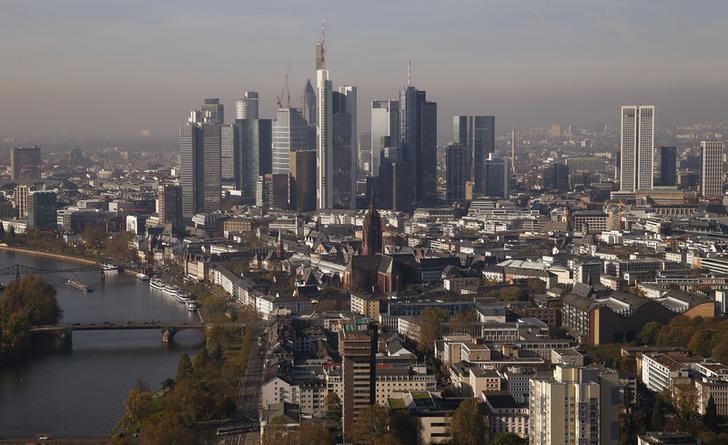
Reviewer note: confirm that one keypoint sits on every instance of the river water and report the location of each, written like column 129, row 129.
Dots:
column 81, row 393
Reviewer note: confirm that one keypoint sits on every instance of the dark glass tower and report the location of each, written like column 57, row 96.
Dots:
column 456, row 173
column 668, row 166
column 477, row 135
column 418, row 141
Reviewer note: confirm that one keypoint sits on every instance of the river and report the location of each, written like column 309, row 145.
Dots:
column 81, row 393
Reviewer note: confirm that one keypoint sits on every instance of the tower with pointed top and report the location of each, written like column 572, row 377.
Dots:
column 372, row 230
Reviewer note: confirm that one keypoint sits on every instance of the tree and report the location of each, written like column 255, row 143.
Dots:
column 468, row 424
column 710, row 419
column 658, row 415
column 371, row 425
column 168, row 427
column 184, row 368
column 509, row 439
column 314, row 432
column 277, row 433
column 334, row 410
column 648, row 334
column 138, row 403
column 430, row 322
column 402, row 428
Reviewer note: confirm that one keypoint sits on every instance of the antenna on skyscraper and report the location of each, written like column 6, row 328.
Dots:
column 323, row 38
column 409, row 73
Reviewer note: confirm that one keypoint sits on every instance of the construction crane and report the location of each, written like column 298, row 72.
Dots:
column 285, row 93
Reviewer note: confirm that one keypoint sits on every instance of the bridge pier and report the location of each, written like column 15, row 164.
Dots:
column 168, row 335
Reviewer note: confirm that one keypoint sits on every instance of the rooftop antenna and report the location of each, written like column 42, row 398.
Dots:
column 322, row 41
column 409, row 73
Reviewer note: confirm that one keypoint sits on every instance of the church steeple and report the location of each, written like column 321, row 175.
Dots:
column 372, row 230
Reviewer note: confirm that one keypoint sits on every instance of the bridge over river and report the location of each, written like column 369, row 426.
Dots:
column 62, row 334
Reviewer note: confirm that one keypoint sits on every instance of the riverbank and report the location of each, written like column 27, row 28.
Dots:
column 55, row 256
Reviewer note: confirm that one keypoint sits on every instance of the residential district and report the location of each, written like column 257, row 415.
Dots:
column 542, row 286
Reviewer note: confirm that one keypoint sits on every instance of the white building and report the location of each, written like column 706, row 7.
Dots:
column 637, row 148
column 711, row 173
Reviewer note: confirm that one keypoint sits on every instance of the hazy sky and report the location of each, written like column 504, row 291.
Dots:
column 113, row 67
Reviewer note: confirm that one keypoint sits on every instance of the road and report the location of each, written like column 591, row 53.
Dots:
column 250, row 385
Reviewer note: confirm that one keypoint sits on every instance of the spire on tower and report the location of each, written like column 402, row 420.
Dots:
column 409, row 73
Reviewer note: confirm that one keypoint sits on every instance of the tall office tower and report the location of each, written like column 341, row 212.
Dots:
column 42, row 210
column 279, row 191
column 324, row 135
column 668, row 166
column 253, row 155
column 617, row 165
column 200, row 167
column 577, row 406
column 477, row 135
column 344, row 148
column 372, row 230
column 228, row 142
column 309, row 104
column 393, row 181
column 263, row 190
column 246, row 107
column 25, row 163
column 290, row 132
column 358, row 347
column 213, row 112
column 418, row 139
column 497, row 179
column 303, row 180
column 456, row 173
column 711, row 183
column 170, row 206
column 385, row 124
column 21, row 200
column 637, row 148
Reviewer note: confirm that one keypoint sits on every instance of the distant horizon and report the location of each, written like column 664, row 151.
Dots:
column 85, row 69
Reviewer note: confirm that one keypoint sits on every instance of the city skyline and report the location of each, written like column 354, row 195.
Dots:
column 542, row 65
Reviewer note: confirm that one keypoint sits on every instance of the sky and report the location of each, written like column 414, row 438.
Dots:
column 115, row 68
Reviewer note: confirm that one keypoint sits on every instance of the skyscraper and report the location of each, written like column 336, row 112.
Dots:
column 497, row 177
column 303, row 180
column 668, row 166
column 25, row 163
column 246, row 106
column 711, row 183
column 309, row 104
column 556, row 177
column 477, row 135
column 213, row 112
column 343, row 128
column 418, row 140
column 170, row 205
column 228, row 143
column 253, row 155
column 456, row 176
column 358, row 347
column 324, row 135
column 290, row 132
column 393, row 185
column 42, row 210
column 200, row 169
column 21, row 200
column 385, row 124
column 637, row 148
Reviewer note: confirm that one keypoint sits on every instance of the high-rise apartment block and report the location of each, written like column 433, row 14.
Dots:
column 711, row 182
column 358, row 348
column 637, row 148
column 578, row 406
column 25, row 163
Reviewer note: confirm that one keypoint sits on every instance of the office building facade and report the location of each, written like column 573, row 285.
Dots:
column 477, row 135
column 668, row 166
column 637, row 147
column 42, row 210
column 324, row 139
column 384, row 127
column 170, row 206
column 344, row 147
column 253, row 156
column 711, row 178
column 456, row 173
column 25, row 163
column 358, row 347
column 200, row 164
column 418, row 141
column 246, row 106
column 303, row 180
column 497, row 177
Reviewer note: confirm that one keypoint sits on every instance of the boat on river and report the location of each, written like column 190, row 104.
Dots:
column 191, row 305
column 156, row 283
column 78, row 285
